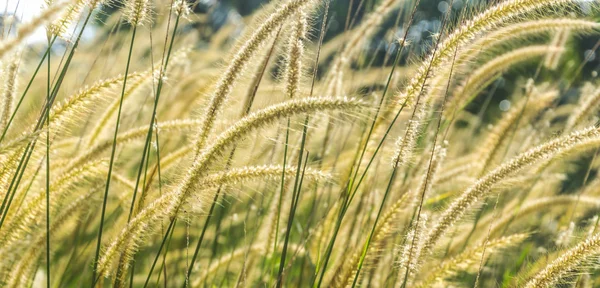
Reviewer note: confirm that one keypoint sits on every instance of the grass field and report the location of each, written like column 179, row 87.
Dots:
column 309, row 143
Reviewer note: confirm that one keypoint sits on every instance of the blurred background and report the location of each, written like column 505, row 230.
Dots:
column 227, row 19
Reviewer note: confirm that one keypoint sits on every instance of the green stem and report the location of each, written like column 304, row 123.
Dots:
column 332, row 241
column 368, row 242
column 295, row 197
column 163, row 264
column 37, row 69
column 162, row 244
column 349, row 195
column 112, row 158
column 152, row 119
column 48, row 176
column 16, row 180
column 210, row 213
column 282, row 185
column 150, row 127
column 351, row 182
column 247, row 107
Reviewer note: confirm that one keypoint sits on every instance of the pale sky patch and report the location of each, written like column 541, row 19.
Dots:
column 25, row 11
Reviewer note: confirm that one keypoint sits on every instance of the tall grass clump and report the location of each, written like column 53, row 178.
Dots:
column 175, row 143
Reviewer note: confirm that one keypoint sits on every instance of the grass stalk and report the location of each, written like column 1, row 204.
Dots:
column 348, row 199
column 48, row 176
column 295, row 197
column 37, row 69
column 374, row 226
column 247, row 107
column 112, row 158
column 23, row 162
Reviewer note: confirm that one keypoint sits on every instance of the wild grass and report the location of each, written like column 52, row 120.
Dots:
column 167, row 152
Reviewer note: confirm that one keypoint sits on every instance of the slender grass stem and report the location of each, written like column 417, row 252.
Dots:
column 247, row 107
column 374, row 226
column 348, row 198
column 304, row 130
column 295, row 196
column 48, row 176
column 163, row 264
column 336, row 230
column 37, row 69
column 168, row 234
column 430, row 166
column 151, row 126
column 162, row 244
column 281, row 185
column 158, row 91
column 28, row 151
column 204, row 228
column 385, row 90
column 112, row 158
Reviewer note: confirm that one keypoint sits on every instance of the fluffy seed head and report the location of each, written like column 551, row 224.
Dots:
column 480, row 189
column 137, row 12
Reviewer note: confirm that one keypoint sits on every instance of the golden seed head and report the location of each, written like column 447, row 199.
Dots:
column 137, row 12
